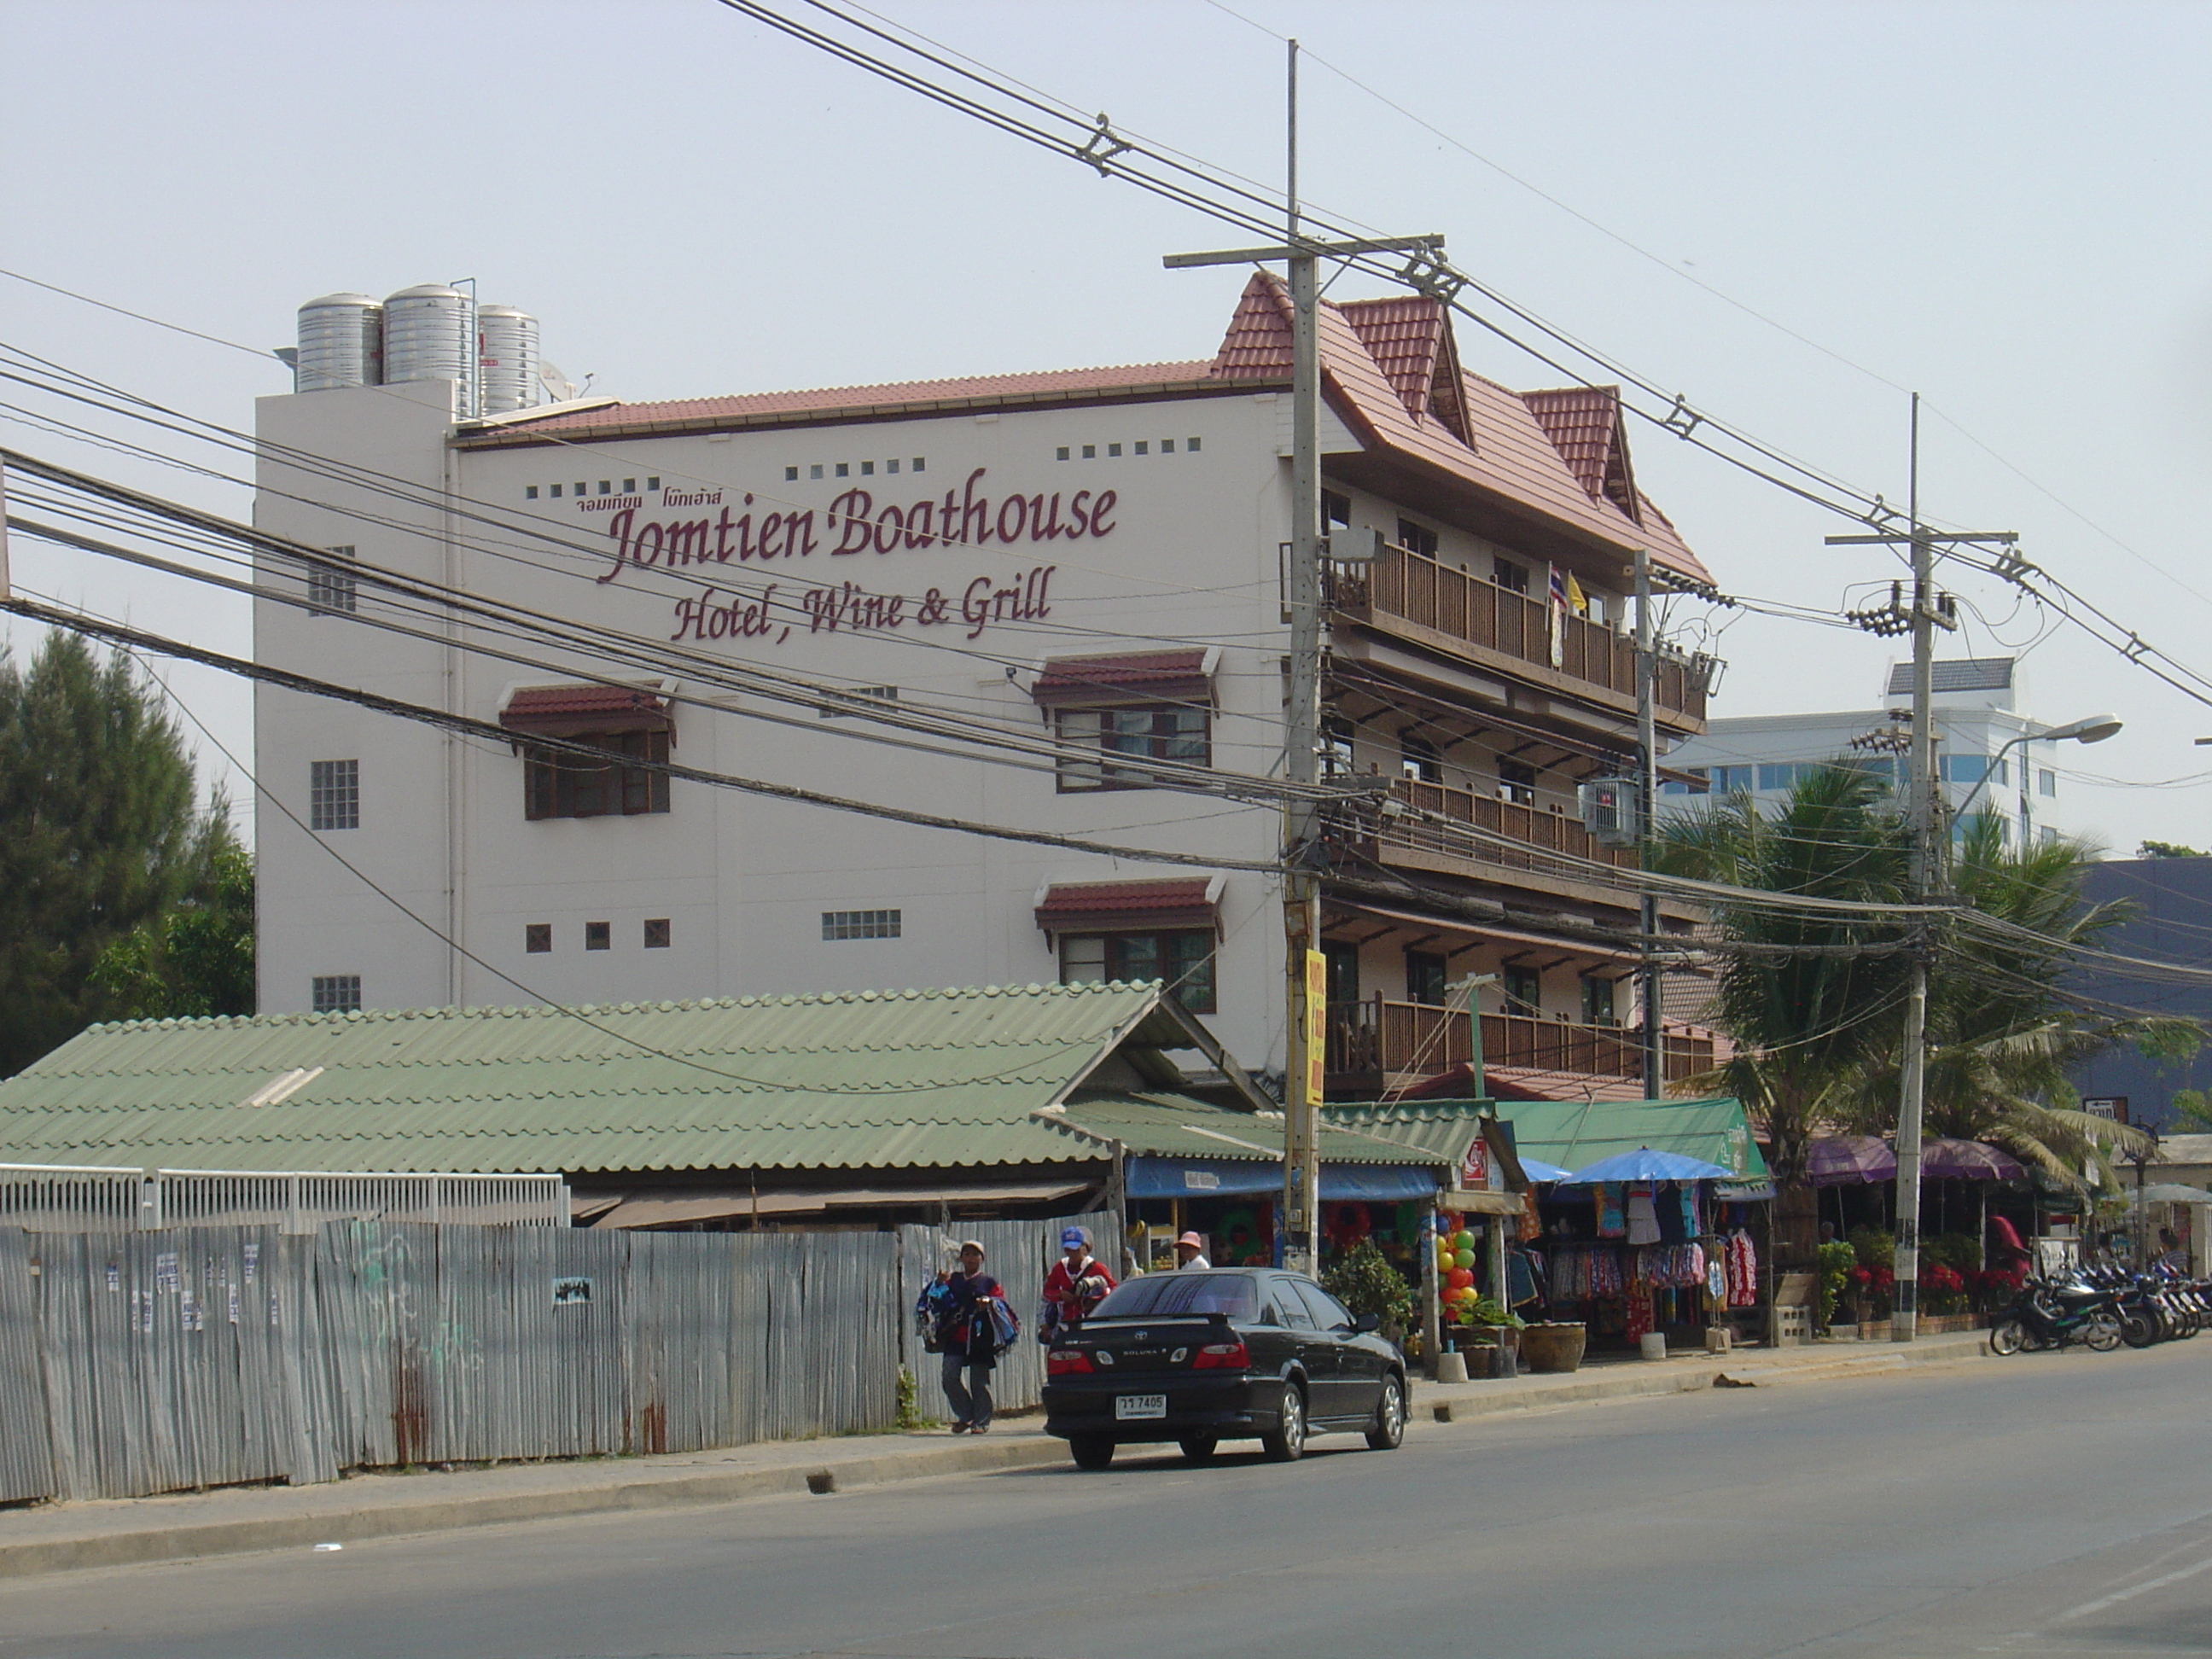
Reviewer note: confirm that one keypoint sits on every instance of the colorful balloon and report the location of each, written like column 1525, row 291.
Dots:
column 1462, row 1258
column 1458, row 1278
column 1463, row 1240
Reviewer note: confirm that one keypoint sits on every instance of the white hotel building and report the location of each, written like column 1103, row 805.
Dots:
column 1093, row 554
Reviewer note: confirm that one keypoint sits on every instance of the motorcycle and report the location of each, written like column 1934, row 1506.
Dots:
column 2054, row 1314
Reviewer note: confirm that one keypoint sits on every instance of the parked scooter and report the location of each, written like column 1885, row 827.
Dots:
column 2055, row 1313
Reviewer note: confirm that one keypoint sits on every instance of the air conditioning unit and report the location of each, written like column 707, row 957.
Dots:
column 1609, row 809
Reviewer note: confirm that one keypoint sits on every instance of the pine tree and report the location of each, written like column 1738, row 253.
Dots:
column 100, row 835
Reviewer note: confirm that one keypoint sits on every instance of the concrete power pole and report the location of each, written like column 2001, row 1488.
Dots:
column 1303, row 978
column 1930, row 827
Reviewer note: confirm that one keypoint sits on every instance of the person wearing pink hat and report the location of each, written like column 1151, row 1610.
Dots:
column 1190, row 1252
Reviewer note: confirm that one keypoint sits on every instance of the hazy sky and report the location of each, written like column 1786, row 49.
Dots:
column 2000, row 206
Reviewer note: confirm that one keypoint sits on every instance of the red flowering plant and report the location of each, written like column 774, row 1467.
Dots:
column 1942, row 1289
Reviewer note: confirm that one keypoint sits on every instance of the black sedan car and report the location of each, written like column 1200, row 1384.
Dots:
column 1226, row 1354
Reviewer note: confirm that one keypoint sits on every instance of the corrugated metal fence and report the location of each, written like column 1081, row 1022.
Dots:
column 142, row 1362
column 53, row 1198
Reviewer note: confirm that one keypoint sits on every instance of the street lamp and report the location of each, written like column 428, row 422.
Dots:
column 2096, row 729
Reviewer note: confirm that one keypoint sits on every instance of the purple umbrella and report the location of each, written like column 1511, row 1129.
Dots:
column 1843, row 1160
column 1968, row 1160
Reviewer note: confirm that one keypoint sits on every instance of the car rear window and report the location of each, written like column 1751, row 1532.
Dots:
column 1160, row 1294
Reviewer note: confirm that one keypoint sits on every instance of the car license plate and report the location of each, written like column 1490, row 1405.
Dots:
column 1132, row 1405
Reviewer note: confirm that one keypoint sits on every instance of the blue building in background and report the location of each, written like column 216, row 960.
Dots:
column 2173, row 899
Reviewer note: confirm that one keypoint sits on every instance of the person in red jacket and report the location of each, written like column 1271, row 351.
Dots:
column 1077, row 1284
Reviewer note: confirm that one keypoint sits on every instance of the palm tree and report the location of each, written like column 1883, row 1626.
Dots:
column 2003, row 1033
column 1810, row 998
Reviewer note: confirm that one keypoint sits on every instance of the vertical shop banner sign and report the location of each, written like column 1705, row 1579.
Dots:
column 1316, row 1024
column 1474, row 1165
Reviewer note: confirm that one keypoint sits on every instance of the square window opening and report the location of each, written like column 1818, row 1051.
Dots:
column 791, row 475
column 1105, row 748
column 918, row 463
column 653, row 483
column 891, row 466
column 1142, row 448
column 1061, row 452
column 844, row 471
column 537, row 937
column 529, row 492
column 1191, row 444
column 867, row 469
column 1113, row 450
column 1090, row 452
column 814, row 472
column 335, row 994
column 656, row 934
column 629, row 486
column 330, row 589
column 1417, row 538
column 606, row 486
column 1182, row 959
column 557, row 492
column 598, row 936
column 1167, row 445
column 334, row 794
column 562, row 785
column 862, row 924
column 1335, row 510
column 1524, row 991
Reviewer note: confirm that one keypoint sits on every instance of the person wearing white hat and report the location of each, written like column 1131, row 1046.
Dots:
column 1190, row 1252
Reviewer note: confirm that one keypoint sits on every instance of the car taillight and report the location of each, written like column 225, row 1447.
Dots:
column 1067, row 1362
column 1221, row 1356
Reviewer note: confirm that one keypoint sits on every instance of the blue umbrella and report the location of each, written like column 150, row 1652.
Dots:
column 1644, row 1164
column 1536, row 1169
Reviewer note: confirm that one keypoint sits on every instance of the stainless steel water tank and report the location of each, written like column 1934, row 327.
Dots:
column 507, row 360
column 427, row 336
column 340, row 343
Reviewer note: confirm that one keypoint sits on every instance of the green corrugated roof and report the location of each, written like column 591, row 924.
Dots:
column 1573, row 1133
column 1169, row 1125
column 865, row 1079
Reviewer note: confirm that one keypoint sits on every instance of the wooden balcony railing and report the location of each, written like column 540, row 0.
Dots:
column 1398, row 582
column 1382, row 1037
column 1536, row 827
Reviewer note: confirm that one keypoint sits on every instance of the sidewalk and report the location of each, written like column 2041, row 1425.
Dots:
column 64, row 1537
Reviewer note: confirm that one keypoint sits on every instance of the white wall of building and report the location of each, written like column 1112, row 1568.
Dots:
column 1188, row 556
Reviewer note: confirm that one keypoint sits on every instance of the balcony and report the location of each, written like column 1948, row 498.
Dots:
column 1393, row 1041
column 1435, row 600
column 1539, row 827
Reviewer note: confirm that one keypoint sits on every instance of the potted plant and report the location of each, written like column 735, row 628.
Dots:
column 1365, row 1282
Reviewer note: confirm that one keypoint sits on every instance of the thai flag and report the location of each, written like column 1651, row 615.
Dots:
column 1558, row 588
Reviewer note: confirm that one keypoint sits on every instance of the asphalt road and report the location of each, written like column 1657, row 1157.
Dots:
column 2049, row 1505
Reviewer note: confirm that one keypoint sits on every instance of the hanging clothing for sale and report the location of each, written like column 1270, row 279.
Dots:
column 1612, row 1221
column 1743, row 1260
column 1642, row 1215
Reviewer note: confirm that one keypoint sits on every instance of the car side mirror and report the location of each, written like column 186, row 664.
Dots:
column 1365, row 1322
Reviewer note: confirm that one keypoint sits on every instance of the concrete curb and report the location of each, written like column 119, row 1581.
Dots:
column 341, row 1520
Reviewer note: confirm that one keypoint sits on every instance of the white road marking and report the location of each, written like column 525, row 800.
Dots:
column 2118, row 1596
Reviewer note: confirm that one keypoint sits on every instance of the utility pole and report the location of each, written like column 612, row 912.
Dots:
column 1305, row 984
column 1647, row 804
column 1928, row 822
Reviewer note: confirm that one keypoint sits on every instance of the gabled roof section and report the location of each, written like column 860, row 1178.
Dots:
column 867, row 1079
column 1410, row 337
column 1483, row 434
column 1585, row 425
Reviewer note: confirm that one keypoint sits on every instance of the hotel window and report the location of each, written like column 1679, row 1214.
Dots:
column 537, row 937
column 1191, row 444
column 863, row 924
column 606, row 486
column 1105, row 740
column 1732, row 779
column 335, row 994
column 330, row 590
column 1418, row 760
column 844, row 471
column 1337, row 753
column 656, row 934
column 1167, row 445
column 1090, row 452
column 1513, row 578
column 814, row 472
column 334, row 794
column 629, row 486
column 529, row 492
column 653, row 483
column 1417, row 538
column 918, row 465
column 1335, row 510
column 1597, row 1001
column 830, row 711
column 791, row 475
column 580, row 488
column 557, row 492
column 1183, row 959
column 2046, row 783
column 1697, row 783
column 1143, row 448
column 563, row 785
column 1061, row 452
column 867, row 469
column 1424, row 978
column 1524, row 991
column 598, row 936
column 1113, row 450
column 1516, row 782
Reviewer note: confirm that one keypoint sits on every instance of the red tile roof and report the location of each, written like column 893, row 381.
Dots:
column 1163, row 673
column 1389, row 366
column 852, row 401
column 1182, row 903
column 568, row 710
